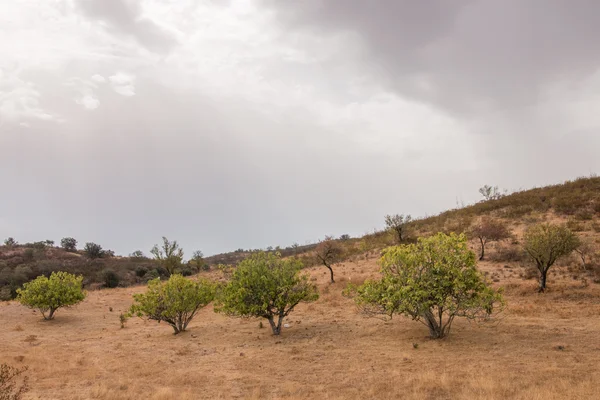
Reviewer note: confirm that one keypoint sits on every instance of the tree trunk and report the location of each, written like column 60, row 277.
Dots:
column 331, row 273
column 275, row 327
column 435, row 330
column 482, row 249
column 50, row 314
column 543, row 275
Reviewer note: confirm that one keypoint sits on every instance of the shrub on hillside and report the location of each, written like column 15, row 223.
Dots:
column 13, row 384
column 266, row 286
column 47, row 295
column 110, row 278
column 93, row 250
column 432, row 281
column 546, row 243
column 68, row 244
column 175, row 301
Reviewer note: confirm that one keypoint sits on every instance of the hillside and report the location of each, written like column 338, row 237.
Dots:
column 576, row 203
column 541, row 346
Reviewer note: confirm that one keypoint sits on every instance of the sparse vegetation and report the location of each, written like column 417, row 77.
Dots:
column 49, row 294
column 432, row 282
column 266, row 286
column 13, row 385
column 546, row 243
column 490, row 193
column 175, row 301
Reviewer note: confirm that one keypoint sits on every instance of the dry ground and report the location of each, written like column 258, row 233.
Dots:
column 543, row 347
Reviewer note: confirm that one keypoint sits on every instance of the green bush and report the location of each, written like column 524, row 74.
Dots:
column 141, row 271
column 49, row 294
column 265, row 285
column 93, row 250
column 175, row 301
column 432, row 281
column 68, row 244
column 169, row 255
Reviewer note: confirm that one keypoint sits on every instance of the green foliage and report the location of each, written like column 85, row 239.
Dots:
column 170, row 255
column 175, row 301
column 265, row 285
column 68, row 244
column 198, row 263
column 546, row 243
column 10, row 242
column 398, row 224
column 110, row 278
column 432, row 281
column 137, row 254
column 12, row 385
column 49, row 294
column 93, row 250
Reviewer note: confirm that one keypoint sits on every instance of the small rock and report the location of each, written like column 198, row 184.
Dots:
column 286, row 325
column 242, row 354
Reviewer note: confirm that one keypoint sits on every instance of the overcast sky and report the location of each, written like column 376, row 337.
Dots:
column 249, row 123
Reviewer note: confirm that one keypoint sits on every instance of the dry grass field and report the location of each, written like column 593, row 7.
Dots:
column 543, row 346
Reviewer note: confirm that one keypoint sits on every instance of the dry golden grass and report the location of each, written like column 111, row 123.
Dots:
column 544, row 346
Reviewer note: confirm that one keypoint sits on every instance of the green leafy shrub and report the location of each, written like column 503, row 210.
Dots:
column 49, row 294
column 175, row 301
column 265, row 285
column 546, row 243
column 12, row 384
column 432, row 282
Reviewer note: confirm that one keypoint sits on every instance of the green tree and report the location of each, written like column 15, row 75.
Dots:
column 329, row 252
column 398, row 224
column 49, row 294
column 546, row 243
column 175, row 301
column 169, row 255
column 432, row 281
column 93, row 250
column 68, row 244
column 10, row 242
column 266, row 286
column 197, row 262
column 489, row 230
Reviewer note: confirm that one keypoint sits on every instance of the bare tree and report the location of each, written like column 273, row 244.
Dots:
column 398, row 224
column 489, row 230
column 329, row 252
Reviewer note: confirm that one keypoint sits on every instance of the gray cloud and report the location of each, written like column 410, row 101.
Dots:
column 125, row 16
column 262, row 128
column 465, row 56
